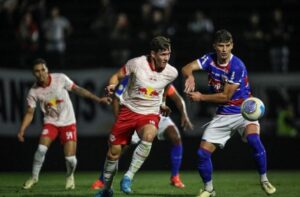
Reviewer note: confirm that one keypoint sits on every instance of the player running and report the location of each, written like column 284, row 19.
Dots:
column 51, row 91
column 167, row 130
column 142, row 102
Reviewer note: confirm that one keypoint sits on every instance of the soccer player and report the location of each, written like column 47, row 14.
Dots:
column 51, row 90
column 228, row 82
column 166, row 130
column 142, row 101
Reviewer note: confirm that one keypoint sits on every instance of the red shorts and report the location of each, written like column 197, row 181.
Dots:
column 127, row 122
column 66, row 133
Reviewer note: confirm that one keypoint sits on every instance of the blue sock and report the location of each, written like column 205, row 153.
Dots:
column 204, row 165
column 101, row 178
column 176, row 157
column 259, row 152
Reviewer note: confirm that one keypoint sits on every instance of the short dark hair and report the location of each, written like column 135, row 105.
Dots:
column 159, row 43
column 39, row 61
column 222, row 35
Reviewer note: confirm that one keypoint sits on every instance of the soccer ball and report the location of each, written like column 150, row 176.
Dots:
column 252, row 109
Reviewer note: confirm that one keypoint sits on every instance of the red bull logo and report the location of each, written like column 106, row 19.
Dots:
column 54, row 102
column 148, row 91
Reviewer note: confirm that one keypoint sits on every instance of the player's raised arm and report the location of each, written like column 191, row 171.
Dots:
column 87, row 94
column 187, row 72
column 25, row 123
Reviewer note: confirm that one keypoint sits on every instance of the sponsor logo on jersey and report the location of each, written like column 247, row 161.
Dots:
column 148, row 92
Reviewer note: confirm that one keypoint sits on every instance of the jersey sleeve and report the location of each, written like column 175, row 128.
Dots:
column 204, row 62
column 68, row 83
column 171, row 90
column 130, row 67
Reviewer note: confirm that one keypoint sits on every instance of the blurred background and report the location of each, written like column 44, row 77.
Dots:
column 89, row 40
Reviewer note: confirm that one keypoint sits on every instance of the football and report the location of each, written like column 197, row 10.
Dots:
column 252, row 109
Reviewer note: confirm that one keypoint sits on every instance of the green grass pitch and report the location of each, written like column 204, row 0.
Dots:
column 153, row 183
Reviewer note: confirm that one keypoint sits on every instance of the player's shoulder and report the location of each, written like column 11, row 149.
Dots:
column 236, row 60
column 171, row 69
column 138, row 60
column 58, row 74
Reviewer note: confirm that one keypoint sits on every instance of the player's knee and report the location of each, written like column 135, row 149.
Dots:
column 114, row 153
column 203, row 154
column 72, row 160
column 42, row 149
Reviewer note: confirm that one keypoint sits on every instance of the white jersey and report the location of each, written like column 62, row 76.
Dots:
column 54, row 100
column 144, row 91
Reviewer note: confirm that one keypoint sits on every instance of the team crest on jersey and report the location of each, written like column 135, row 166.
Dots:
column 45, row 132
column 112, row 138
column 152, row 122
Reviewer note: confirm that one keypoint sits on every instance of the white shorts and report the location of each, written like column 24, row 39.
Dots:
column 222, row 127
column 164, row 123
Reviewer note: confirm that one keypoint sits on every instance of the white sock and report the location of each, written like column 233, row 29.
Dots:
column 71, row 163
column 109, row 171
column 38, row 160
column 209, row 186
column 139, row 156
column 263, row 177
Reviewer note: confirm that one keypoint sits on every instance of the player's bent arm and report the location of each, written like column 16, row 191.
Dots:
column 179, row 102
column 188, row 69
column 116, row 106
column 187, row 72
column 164, row 109
column 27, row 119
column 87, row 94
column 117, row 77
column 181, row 106
column 222, row 97
column 114, row 81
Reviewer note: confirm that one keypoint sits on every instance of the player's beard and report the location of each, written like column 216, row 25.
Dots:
column 161, row 67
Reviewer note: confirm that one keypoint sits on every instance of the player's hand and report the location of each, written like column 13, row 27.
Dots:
column 110, row 89
column 195, row 96
column 21, row 136
column 189, row 84
column 186, row 123
column 165, row 110
column 105, row 100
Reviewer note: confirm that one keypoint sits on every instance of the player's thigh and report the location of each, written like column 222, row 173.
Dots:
column 220, row 129
column 147, row 126
column 165, row 130
column 48, row 135
column 148, row 132
column 68, row 133
column 46, row 141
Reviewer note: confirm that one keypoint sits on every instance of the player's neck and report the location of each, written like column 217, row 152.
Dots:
column 46, row 82
column 221, row 61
